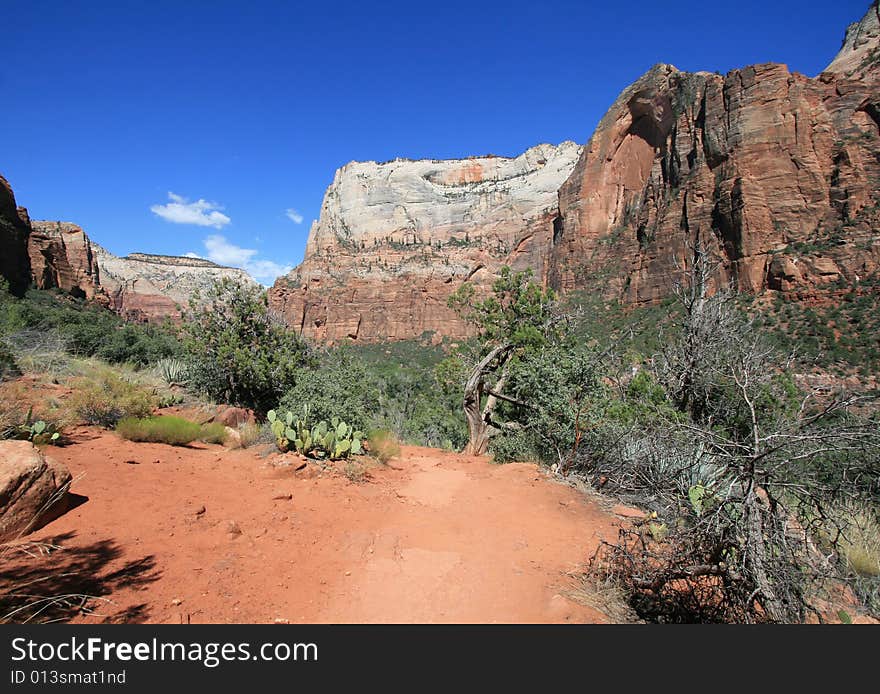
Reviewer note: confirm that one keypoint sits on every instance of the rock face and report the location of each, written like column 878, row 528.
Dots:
column 777, row 174
column 62, row 256
column 859, row 55
column 395, row 239
column 14, row 230
column 143, row 287
column 32, row 489
column 140, row 287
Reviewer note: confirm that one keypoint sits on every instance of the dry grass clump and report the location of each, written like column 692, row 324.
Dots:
column 104, row 397
column 383, row 445
column 251, row 433
column 859, row 544
column 603, row 595
column 355, row 472
column 21, row 409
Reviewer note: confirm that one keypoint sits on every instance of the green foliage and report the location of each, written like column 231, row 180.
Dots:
column 37, row 431
column 175, row 431
column 40, row 432
column 334, row 441
column 338, row 384
column 8, row 367
column 173, row 371
column 419, row 391
column 840, row 337
column 104, row 397
column 237, row 352
column 87, row 330
column 517, row 446
column 517, row 312
column 213, row 432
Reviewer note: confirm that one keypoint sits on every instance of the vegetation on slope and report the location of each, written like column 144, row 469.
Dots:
column 762, row 494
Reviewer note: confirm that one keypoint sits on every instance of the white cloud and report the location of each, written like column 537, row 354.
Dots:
column 201, row 212
column 293, row 215
column 191, row 255
column 222, row 252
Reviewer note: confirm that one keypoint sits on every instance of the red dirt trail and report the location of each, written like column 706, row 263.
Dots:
column 205, row 534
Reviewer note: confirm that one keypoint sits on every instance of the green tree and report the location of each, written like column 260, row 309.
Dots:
column 336, row 384
column 516, row 320
column 238, row 351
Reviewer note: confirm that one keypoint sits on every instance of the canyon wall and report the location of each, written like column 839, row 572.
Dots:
column 145, row 287
column 776, row 174
column 14, row 230
column 59, row 255
column 139, row 287
column 394, row 240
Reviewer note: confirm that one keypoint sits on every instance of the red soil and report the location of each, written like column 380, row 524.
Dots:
column 205, row 534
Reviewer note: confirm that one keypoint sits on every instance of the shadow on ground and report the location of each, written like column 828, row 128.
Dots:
column 55, row 579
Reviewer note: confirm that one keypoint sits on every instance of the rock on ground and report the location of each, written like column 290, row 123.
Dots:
column 32, row 489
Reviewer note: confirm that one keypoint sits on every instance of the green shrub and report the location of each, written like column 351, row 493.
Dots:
column 8, row 367
column 338, row 385
column 513, row 447
column 86, row 329
column 237, row 351
column 104, row 397
column 169, row 429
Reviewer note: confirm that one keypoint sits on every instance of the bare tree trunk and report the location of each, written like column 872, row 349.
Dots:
column 757, row 557
column 478, row 419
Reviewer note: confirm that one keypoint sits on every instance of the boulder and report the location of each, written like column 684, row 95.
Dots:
column 234, row 417
column 33, row 489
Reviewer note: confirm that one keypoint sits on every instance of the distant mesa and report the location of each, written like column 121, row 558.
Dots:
column 140, row 287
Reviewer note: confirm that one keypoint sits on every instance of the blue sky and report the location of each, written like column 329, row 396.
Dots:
column 215, row 127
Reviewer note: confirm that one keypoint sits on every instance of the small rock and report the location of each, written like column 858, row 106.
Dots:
column 233, row 438
column 200, row 510
column 307, row 472
column 233, row 528
column 348, row 573
column 628, row 512
column 282, row 497
column 278, row 620
column 177, row 601
column 300, row 465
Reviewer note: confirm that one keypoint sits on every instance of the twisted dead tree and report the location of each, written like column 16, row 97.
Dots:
column 741, row 479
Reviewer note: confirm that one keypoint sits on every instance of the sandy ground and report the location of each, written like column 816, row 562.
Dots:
column 205, row 534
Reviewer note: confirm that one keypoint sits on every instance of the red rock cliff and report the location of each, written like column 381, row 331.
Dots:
column 14, row 230
column 777, row 173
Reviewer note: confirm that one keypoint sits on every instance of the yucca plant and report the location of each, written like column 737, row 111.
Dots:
column 173, row 371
